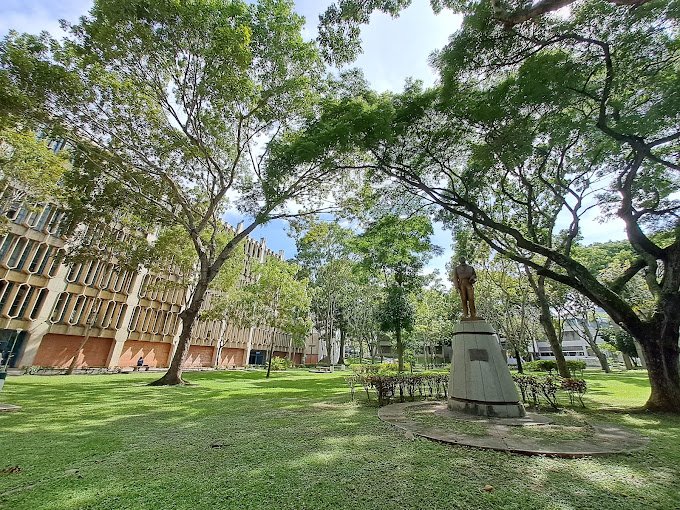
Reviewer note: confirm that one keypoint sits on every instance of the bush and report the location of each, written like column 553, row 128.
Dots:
column 536, row 388
column 576, row 365
column 541, row 365
column 401, row 386
column 279, row 363
column 380, row 368
column 576, row 388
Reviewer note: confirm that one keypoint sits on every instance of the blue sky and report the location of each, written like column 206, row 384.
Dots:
column 393, row 50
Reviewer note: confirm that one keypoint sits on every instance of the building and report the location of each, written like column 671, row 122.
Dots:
column 48, row 308
column 574, row 343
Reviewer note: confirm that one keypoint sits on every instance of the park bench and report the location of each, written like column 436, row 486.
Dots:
column 138, row 368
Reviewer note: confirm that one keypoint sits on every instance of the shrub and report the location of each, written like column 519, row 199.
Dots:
column 541, row 365
column 401, row 386
column 576, row 365
column 576, row 388
column 279, row 363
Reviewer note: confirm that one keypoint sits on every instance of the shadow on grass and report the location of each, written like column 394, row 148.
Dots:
column 238, row 440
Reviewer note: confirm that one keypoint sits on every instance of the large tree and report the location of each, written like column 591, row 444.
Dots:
column 558, row 112
column 396, row 249
column 174, row 105
column 277, row 300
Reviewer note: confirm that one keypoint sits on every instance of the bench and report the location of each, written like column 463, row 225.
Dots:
column 322, row 369
column 138, row 368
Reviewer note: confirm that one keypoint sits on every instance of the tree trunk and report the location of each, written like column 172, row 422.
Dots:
column 627, row 361
column 545, row 318
column 400, row 350
column 520, row 368
column 173, row 376
column 74, row 362
column 271, row 355
column 341, row 359
column 361, row 350
column 601, row 356
column 592, row 342
column 662, row 353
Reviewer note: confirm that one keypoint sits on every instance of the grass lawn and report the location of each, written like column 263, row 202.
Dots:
column 236, row 440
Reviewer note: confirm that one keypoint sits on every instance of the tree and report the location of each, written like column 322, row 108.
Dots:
column 583, row 315
column 175, row 105
column 573, row 113
column 323, row 253
column 396, row 248
column 277, row 300
column 29, row 168
column 433, row 319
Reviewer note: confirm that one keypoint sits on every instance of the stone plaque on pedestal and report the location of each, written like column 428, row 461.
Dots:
column 480, row 381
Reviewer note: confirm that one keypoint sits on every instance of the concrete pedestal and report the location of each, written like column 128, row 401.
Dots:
column 480, row 381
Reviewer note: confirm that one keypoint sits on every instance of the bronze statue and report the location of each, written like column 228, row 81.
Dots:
column 463, row 277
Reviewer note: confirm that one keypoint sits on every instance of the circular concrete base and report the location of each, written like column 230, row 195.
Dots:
column 531, row 435
column 491, row 410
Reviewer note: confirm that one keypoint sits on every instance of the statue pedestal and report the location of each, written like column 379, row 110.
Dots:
column 480, row 381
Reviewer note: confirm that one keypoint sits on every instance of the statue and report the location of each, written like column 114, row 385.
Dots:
column 464, row 277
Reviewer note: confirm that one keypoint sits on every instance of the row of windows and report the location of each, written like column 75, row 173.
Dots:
column 20, row 301
column 102, row 275
column 29, row 256
column 45, row 218
column 74, row 309
column 566, row 353
column 159, row 288
column 150, row 320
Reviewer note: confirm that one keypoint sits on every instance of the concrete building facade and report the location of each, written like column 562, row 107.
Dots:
column 48, row 308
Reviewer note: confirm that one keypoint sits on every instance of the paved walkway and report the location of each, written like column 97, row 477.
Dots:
column 504, row 435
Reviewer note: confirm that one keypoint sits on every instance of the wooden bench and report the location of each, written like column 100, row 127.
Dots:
column 138, row 368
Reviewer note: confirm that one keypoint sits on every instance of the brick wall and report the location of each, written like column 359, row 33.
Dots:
column 58, row 350
column 199, row 356
column 232, row 357
column 155, row 354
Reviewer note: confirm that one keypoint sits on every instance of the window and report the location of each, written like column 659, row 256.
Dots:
column 77, row 310
column 16, row 253
column 134, row 319
column 5, row 293
column 91, row 271
column 121, row 316
column 55, row 262
column 39, row 258
column 38, row 304
column 44, row 217
column 60, row 307
column 27, row 302
column 26, row 253
column 108, row 314
column 18, row 301
column 73, row 272
column 6, row 244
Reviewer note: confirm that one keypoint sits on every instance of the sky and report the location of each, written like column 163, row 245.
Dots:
column 393, row 50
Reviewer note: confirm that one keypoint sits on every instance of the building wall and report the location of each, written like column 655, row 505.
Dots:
column 58, row 351
column 155, row 354
column 130, row 313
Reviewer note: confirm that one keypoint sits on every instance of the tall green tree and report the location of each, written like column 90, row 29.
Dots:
column 277, row 300
column 573, row 112
column 397, row 248
column 175, row 105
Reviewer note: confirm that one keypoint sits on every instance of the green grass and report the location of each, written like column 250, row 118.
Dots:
column 444, row 423
column 296, row 442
